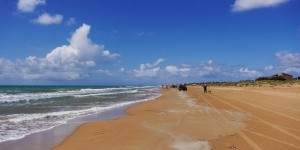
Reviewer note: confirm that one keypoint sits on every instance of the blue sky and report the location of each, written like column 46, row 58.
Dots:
column 138, row 42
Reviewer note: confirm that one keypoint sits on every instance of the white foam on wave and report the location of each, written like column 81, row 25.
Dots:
column 108, row 93
column 141, row 87
column 89, row 90
column 74, row 93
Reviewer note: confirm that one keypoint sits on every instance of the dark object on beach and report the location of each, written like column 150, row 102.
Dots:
column 173, row 86
column 205, row 88
column 182, row 88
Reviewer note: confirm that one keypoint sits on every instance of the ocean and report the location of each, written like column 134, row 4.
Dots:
column 25, row 110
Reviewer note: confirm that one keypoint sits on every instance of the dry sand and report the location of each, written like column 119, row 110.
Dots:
column 228, row 118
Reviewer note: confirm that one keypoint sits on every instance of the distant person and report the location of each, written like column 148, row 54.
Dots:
column 205, row 88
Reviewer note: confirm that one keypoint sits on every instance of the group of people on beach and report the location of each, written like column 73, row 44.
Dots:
column 182, row 87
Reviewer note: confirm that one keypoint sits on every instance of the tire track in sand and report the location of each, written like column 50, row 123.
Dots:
column 273, row 139
column 282, row 107
column 261, row 120
column 240, row 133
column 262, row 108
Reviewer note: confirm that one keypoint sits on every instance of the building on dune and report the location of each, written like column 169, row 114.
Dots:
column 284, row 75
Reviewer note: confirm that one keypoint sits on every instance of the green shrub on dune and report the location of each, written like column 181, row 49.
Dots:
column 276, row 81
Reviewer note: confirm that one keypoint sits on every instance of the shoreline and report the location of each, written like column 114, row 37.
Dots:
column 47, row 139
column 236, row 119
column 110, row 105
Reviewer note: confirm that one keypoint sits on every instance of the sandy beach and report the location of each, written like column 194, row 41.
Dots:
column 228, row 118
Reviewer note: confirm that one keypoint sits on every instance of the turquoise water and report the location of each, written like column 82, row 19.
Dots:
column 28, row 109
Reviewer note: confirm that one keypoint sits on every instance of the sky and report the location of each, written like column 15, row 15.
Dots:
column 143, row 42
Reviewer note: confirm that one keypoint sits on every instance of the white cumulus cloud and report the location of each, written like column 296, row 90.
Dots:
column 29, row 5
column 292, row 70
column 244, row 5
column 81, row 50
column 269, row 68
column 174, row 70
column 289, row 62
column 107, row 72
column 67, row 62
column 287, row 58
column 208, row 69
column 160, row 60
column 71, row 21
column 148, row 70
column 108, row 55
column 249, row 73
column 47, row 19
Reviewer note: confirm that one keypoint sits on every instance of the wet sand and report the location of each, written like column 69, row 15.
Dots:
column 228, row 118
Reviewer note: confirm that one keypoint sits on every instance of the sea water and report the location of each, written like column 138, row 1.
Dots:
column 25, row 110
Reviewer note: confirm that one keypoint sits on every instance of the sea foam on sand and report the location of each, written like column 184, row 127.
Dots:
column 190, row 145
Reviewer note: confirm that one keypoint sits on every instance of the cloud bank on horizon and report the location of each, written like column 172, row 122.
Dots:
column 81, row 58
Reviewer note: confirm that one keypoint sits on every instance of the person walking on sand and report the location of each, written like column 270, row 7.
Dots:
column 205, row 88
